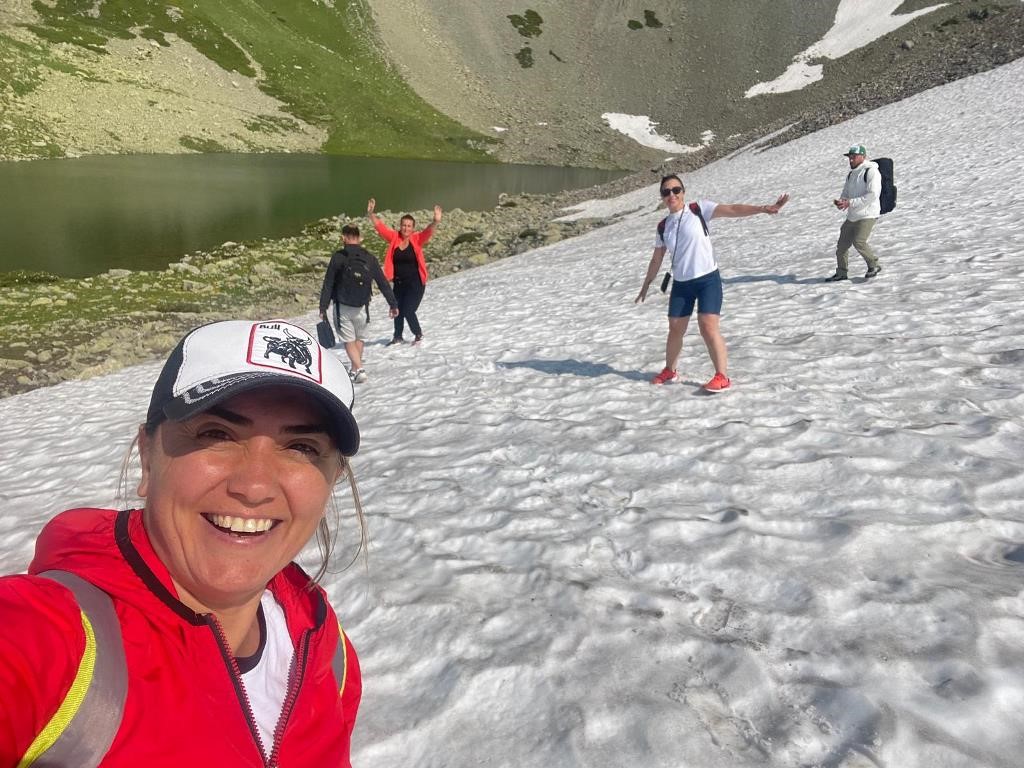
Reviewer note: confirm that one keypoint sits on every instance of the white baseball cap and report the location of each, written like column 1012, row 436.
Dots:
column 216, row 361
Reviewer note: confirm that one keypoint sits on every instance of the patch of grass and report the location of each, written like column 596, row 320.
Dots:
column 275, row 124
column 527, row 25
column 324, row 62
column 21, row 277
column 199, row 144
column 525, row 57
column 19, row 66
column 651, row 20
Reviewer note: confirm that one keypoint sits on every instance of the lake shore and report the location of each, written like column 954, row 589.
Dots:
column 60, row 329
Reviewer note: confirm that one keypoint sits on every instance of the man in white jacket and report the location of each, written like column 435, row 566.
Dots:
column 860, row 200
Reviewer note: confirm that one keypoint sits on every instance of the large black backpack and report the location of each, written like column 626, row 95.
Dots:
column 888, row 196
column 355, row 278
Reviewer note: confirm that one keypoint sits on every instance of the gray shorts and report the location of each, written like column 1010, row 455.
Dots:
column 351, row 322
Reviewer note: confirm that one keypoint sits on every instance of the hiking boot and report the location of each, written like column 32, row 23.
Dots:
column 718, row 383
column 666, row 375
column 836, row 277
column 358, row 376
column 872, row 271
column 396, row 340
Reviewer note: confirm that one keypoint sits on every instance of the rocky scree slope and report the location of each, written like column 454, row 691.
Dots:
column 545, row 71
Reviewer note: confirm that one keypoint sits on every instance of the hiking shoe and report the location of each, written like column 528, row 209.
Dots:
column 836, row 278
column 396, row 340
column 418, row 340
column 718, row 383
column 666, row 375
column 872, row 271
column 358, row 376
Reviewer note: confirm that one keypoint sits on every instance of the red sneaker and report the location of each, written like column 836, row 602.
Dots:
column 718, row 383
column 666, row 375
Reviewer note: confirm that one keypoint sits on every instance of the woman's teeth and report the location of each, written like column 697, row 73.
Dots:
column 241, row 524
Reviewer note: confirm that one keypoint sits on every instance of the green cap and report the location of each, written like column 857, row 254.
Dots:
column 857, row 149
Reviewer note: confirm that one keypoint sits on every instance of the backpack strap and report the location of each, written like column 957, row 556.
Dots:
column 83, row 728
column 695, row 210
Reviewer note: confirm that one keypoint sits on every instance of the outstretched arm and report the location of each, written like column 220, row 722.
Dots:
column 739, row 210
column 652, row 271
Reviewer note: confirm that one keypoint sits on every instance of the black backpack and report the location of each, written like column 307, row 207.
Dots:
column 355, row 278
column 887, row 199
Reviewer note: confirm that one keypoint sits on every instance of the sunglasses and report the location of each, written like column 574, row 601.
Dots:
column 671, row 191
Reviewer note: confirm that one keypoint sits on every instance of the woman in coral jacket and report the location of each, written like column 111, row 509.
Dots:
column 405, row 266
column 182, row 633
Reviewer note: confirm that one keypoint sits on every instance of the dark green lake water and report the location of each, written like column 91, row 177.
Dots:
column 83, row 216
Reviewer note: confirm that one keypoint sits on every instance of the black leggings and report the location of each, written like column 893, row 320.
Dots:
column 409, row 294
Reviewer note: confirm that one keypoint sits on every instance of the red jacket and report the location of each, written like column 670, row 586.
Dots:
column 183, row 705
column 416, row 239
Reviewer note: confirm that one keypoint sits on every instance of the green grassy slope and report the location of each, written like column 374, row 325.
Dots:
column 322, row 61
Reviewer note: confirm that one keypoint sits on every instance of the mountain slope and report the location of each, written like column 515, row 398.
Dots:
column 147, row 76
column 687, row 66
column 460, row 79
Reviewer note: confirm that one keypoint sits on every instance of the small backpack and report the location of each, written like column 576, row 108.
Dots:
column 887, row 199
column 355, row 279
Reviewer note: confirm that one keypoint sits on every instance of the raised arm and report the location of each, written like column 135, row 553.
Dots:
column 428, row 231
column 386, row 233
column 739, row 210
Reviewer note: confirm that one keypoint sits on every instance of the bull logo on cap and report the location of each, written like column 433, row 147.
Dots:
column 291, row 350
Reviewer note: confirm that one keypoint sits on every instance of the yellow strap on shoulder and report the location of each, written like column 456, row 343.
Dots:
column 69, row 707
column 341, row 662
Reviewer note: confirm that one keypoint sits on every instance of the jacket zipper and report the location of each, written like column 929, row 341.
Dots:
column 236, row 680
column 296, row 672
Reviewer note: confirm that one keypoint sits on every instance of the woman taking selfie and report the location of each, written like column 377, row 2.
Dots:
column 182, row 633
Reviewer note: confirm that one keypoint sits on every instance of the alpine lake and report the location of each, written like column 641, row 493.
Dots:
column 105, row 261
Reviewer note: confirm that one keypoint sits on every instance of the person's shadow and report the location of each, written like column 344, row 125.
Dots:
column 575, row 368
column 780, row 279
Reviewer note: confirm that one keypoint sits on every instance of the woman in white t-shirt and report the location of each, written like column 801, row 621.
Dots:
column 684, row 233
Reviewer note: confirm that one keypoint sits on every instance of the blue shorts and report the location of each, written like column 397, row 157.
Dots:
column 704, row 291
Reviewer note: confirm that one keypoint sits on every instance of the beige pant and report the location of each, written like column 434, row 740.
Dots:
column 351, row 322
column 855, row 233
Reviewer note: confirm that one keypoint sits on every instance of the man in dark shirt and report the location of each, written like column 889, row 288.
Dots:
column 348, row 283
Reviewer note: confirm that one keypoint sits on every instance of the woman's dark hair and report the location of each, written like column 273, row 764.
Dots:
column 669, row 177
column 410, row 217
